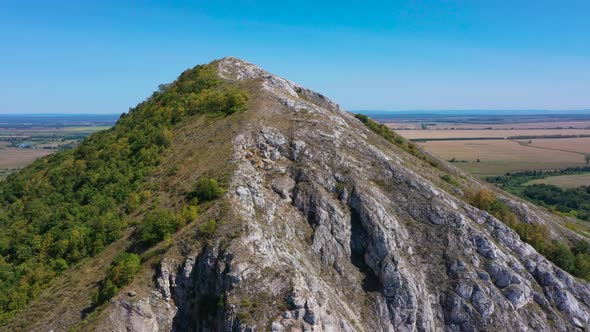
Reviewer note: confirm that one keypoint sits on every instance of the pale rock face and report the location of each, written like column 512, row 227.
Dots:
column 362, row 242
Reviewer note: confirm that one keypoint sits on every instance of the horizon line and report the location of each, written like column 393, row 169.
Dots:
column 350, row 110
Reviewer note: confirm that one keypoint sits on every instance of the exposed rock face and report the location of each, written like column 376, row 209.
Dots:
column 341, row 232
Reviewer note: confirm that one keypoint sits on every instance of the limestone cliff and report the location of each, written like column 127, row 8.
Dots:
column 338, row 230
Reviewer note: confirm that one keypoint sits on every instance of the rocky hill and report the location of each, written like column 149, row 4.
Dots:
column 312, row 220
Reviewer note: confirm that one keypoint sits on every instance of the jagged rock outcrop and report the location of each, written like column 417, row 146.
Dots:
column 342, row 231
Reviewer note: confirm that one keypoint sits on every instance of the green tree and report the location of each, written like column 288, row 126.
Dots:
column 106, row 292
column 582, row 263
column 483, row 199
column 133, row 202
column 157, row 226
column 124, row 267
column 218, row 101
column 208, row 228
column 190, row 213
column 121, row 272
column 207, row 189
column 581, row 247
column 563, row 257
column 60, row 265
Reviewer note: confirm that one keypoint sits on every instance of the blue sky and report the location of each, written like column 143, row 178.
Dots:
column 106, row 56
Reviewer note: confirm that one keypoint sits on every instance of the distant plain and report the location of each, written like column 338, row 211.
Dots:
column 26, row 138
column 494, row 143
column 497, row 157
column 462, row 138
column 475, row 133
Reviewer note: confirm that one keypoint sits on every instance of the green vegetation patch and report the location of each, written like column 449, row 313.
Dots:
column 207, row 229
column 121, row 272
column 515, row 182
column 207, row 189
column 157, row 226
column 574, row 202
column 449, row 179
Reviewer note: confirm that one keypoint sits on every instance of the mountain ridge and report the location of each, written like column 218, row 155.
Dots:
column 327, row 226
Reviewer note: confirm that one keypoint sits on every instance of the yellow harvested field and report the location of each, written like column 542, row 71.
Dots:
column 402, row 125
column 581, row 145
column 565, row 181
column 500, row 156
column 18, row 158
column 524, row 125
column 419, row 133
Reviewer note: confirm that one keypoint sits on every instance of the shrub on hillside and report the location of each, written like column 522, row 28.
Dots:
column 563, row 257
column 483, row 199
column 219, row 101
column 157, row 226
column 124, row 267
column 207, row 189
column 189, row 213
column 208, row 228
column 449, row 179
column 106, row 292
column 121, row 272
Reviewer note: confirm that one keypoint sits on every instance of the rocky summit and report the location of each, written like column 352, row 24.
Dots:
column 325, row 225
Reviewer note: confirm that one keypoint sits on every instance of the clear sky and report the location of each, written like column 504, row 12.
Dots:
column 105, row 56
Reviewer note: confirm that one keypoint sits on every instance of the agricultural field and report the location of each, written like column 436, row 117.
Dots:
column 430, row 134
column 496, row 142
column 26, row 138
column 577, row 145
column 487, row 126
column 497, row 157
column 12, row 159
column 564, row 181
column 544, row 157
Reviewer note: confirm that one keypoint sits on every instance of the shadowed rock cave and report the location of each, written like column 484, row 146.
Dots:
column 358, row 248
